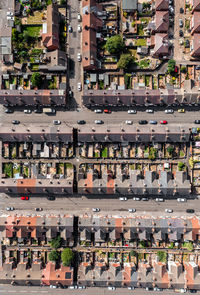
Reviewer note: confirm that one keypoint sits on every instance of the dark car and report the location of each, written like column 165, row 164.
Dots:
column 181, row 10
column 15, row 122
column 181, row 33
column 38, row 111
column 187, row 43
column 51, row 198
column 81, row 122
column 197, row 121
column 190, row 210
column 197, row 67
column 8, row 111
column 143, row 122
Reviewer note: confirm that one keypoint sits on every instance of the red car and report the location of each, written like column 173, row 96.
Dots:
column 107, row 111
column 24, row 198
column 163, row 122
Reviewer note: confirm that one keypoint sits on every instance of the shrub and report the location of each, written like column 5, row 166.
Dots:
column 54, row 256
column 125, row 61
column 115, row 44
column 56, row 243
column 67, row 256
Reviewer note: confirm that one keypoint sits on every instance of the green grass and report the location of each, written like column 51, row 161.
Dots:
column 69, row 165
column 105, row 152
column 140, row 30
column 132, row 166
column 144, row 63
column 33, row 31
column 141, row 42
column 147, row 80
column 96, row 155
column 7, row 170
column 182, row 154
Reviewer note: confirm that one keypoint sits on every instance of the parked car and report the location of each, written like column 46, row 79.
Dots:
column 128, row 122
column 79, row 18
column 98, row 122
column 15, row 122
column 181, row 110
column 136, row 199
column 182, row 200
column 111, row 288
column 190, row 211
column 163, row 122
column 187, row 43
column 95, row 209
column 131, row 288
column 82, row 287
column 38, row 209
column 181, row 33
column 149, row 111
column 79, row 58
column 25, row 198
column 70, row 29
column 107, row 111
column 197, row 67
column 38, row 111
column 180, row 23
column 169, row 210
column 159, row 200
column 181, row 10
column 79, row 28
column 98, row 111
column 154, row 122
column 27, row 111
column 143, row 122
column 123, row 199
column 81, row 122
column 132, row 112
column 56, row 122
column 132, row 210
column 197, row 121
column 53, row 287
column 51, row 198
column 170, row 111
column 79, row 86
column 8, row 111
column 145, row 199
column 10, row 208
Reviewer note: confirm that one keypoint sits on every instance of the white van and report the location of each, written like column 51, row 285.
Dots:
column 79, row 17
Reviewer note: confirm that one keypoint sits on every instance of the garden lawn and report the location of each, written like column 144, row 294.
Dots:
column 105, row 152
column 33, row 31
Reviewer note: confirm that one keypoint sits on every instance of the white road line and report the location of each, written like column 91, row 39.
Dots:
column 23, row 291
column 11, row 291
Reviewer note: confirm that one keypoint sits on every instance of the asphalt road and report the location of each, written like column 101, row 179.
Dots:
column 78, row 205
column 119, row 118
column 5, row 290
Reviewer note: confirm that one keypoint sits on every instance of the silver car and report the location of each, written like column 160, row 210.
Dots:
column 132, row 112
column 98, row 122
column 79, row 86
column 128, row 122
column 169, row 111
column 132, row 210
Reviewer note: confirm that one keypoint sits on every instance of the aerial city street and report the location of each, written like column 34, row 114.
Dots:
column 99, row 146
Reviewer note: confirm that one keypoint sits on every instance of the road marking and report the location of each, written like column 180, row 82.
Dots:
column 44, row 291
column 23, row 291
column 11, row 291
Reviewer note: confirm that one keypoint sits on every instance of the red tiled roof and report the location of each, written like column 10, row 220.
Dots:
column 162, row 21
column 53, row 276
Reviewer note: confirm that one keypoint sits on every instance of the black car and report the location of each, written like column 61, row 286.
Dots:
column 9, row 111
column 81, row 122
column 187, row 43
column 197, row 121
column 181, row 33
column 51, row 198
column 38, row 111
column 181, row 10
column 15, row 122
column 143, row 122
column 190, row 210
column 197, row 67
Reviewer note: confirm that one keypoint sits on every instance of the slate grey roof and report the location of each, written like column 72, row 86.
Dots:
column 129, row 5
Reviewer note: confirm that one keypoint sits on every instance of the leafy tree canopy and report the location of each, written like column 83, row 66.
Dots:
column 67, row 256
column 115, row 44
column 125, row 61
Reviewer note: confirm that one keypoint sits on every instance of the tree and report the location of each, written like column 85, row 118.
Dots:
column 67, row 256
column 115, row 44
column 54, row 256
column 36, row 79
column 56, row 243
column 171, row 66
column 125, row 61
column 181, row 165
column 183, row 69
column 133, row 253
column 162, row 256
column 170, row 149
